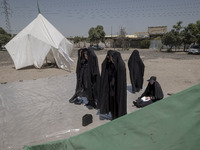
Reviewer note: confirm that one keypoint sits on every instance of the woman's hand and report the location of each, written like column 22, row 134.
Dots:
column 147, row 98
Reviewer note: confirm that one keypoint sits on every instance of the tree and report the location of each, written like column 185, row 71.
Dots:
column 77, row 40
column 182, row 35
column 4, row 37
column 101, row 33
column 177, row 36
column 145, row 44
column 169, row 39
column 122, row 38
column 194, row 30
column 187, row 37
column 96, row 35
column 2, row 31
column 92, row 35
column 198, row 32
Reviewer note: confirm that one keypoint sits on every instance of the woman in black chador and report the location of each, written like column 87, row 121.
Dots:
column 88, row 78
column 152, row 94
column 113, row 88
column 136, row 70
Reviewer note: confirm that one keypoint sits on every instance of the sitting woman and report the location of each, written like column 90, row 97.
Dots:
column 152, row 93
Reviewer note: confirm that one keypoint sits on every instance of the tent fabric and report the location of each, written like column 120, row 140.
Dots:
column 35, row 41
column 170, row 124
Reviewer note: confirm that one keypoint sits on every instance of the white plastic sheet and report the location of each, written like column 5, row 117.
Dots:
column 37, row 111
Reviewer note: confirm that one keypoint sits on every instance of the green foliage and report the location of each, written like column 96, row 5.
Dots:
column 101, row 33
column 135, row 44
column 198, row 32
column 96, row 34
column 4, row 37
column 157, row 38
column 182, row 35
column 145, row 44
column 83, row 39
column 77, row 39
column 187, row 38
column 177, row 36
column 168, row 39
column 2, row 31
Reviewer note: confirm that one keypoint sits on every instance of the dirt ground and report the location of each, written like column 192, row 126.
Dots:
column 37, row 111
column 175, row 71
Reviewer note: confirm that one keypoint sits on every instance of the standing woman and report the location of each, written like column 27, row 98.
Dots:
column 136, row 70
column 113, row 87
column 88, row 78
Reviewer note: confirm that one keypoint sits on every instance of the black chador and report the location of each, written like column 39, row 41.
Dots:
column 152, row 93
column 113, row 88
column 88, row 78
column 136, row 70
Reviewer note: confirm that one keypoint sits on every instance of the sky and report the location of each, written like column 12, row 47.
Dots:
column 76, row 17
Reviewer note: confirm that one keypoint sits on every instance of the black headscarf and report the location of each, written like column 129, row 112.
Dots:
column 87, row 72
column 136, row 70
column 117, row 71
column 154, row 91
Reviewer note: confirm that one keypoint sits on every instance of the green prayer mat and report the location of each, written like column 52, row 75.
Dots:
column 170, row 124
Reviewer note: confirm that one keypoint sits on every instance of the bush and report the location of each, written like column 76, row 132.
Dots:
column 135, row 44
column 145, row 44
column 157, row 38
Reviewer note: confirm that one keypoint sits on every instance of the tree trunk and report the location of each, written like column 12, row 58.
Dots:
column 184, row 47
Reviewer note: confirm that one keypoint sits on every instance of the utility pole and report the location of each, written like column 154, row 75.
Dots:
column 111, row 31
column 6, row 11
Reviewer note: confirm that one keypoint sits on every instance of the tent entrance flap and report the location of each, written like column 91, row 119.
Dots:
column 50, row 58
column 61, row 60
column 39, row 51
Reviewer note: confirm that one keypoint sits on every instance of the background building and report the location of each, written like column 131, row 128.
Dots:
column 157, row 31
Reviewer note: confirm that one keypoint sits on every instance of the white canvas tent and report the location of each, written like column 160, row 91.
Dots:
column 38, row 41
